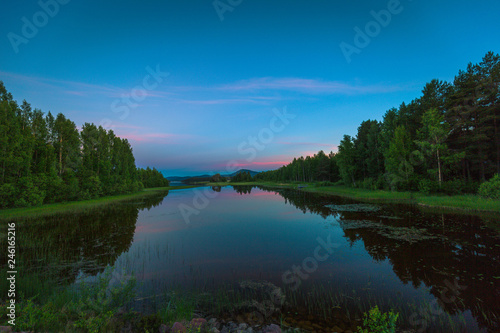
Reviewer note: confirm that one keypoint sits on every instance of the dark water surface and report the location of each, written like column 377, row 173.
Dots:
column 259, row 254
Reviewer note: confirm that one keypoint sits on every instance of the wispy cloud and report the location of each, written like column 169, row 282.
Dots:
column 224, row 101
column 83, row 89
column 251, row 164
column 159, row 138
column 70, row 87
column 265, row 162
column 308, row 86
column 264, row 90
column 128, row 126
column 316, row 144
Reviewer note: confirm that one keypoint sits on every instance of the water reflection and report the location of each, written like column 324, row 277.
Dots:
column 62, row 247
column 392, row 255
column 243, row 189
column 456, row 256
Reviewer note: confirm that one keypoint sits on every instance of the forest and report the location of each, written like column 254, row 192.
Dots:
column 46, row 159
column 447, row 140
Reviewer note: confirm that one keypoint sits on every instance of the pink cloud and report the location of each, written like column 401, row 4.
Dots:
column 249, row 164
column 254, row 164
column 124, row 125
column 310, row 153
column 316, row 144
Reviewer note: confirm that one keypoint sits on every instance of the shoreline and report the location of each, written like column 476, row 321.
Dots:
column 80, row 206
column 466, row 203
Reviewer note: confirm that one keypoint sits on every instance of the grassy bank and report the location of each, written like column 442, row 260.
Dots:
column 467, row 202
column 463, row 202
column 79, row 206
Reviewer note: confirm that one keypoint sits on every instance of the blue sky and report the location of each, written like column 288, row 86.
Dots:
column 106, row 62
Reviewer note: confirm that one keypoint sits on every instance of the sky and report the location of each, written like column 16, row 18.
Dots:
column 213, row 86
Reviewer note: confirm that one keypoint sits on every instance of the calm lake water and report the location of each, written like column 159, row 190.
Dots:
column 302, row 259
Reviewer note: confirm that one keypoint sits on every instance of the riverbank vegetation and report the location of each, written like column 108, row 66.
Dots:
column 465, row 202
column 447, row 142
column 46, row 159
column 106, row 304
column 84, row 205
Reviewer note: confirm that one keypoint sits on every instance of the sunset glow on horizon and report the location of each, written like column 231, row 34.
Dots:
column 194, row 89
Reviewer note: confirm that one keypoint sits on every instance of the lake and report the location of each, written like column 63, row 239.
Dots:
column 296, row 258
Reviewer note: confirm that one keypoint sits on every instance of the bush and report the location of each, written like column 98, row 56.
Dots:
column 428, row 186
column 471, row 187
column 29, row 194
column 376, row 321
column 453, row 187
column 70, row 190
column 90, row 307
column 379, row 183
column 491, row 188
column 367, row 183
column 92, row 187
column 36, row 317
column 138, row 186
column 53, row 188
column 7, row 195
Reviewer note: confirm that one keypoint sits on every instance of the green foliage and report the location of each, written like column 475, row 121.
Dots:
column 45, row 159
column 35, row 317
column 320, row 167
column 371, row 184
column 428, row 186
column 89, row 308
column 470, row 187
column 152, row 178
column 177, row 308
column 398, row 158
column 377, row 322
column 243, row 176
column 28, row 194
column 91, row 188
column 491, row 188
column 7, row 195
column 346, row 160
column 453, row 187
column 450, row 136
column 217, row 178
column 149, row 323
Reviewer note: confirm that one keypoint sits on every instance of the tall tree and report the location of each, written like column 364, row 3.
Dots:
column 433, row 136
column 67, row 145
column 346, row 160
column 397, row 157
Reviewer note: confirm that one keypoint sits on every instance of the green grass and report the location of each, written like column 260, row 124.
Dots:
column 81, row 206
column 468, row 202
column 465, row 202
column 87, row 308
column 458, row 202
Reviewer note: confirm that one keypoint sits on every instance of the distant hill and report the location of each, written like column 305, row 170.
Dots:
column 252, row 173
column 203, row 178
column 180, row 179
column 177, row 179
